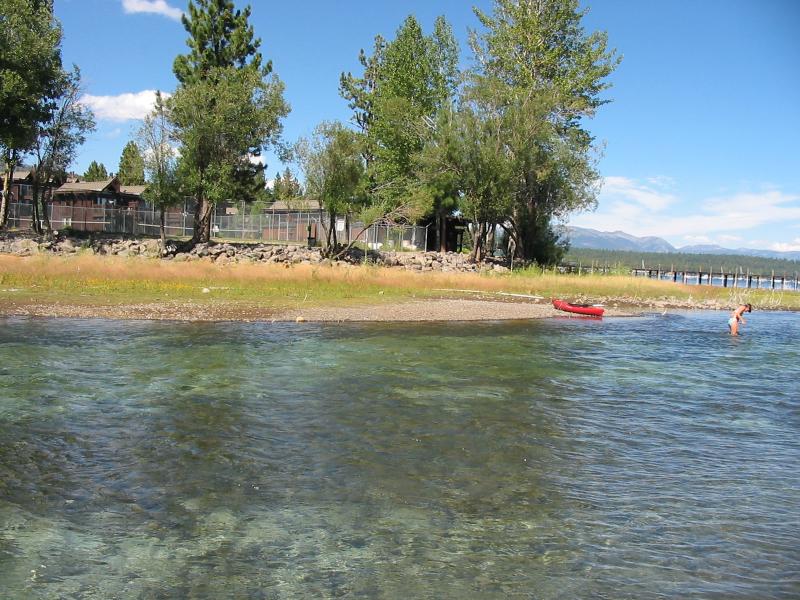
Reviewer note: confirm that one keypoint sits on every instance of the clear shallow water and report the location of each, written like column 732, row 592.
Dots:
column 623, row 458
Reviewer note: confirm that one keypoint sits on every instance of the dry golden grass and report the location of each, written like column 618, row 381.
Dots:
column 91, row 279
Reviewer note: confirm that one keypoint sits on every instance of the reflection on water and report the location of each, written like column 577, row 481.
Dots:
column 631, row 458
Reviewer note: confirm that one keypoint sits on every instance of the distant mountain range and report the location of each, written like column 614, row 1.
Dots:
column 580, row 237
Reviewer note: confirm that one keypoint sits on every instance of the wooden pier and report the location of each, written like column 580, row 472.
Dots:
column 728, row 279
column 724, row 279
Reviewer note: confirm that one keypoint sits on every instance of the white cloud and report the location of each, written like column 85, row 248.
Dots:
column 638, row 208
column 730, row 239
column 793, row 246
column 159, row 7
column 124, row 107
column 662, row 181
column 697, row 239
column 646, row 196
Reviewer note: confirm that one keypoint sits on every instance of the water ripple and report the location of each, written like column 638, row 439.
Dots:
column 623, row 458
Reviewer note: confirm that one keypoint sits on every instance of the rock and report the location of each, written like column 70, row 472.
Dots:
column 24, row 247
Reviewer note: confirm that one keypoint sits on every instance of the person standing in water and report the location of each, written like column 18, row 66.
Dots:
column 737, row 317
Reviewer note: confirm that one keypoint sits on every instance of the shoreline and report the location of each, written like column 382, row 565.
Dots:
column 405, row 311
column 105, row 287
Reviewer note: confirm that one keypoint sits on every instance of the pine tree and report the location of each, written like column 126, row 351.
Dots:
column 96, row 172
column 227, row 108
column 131, row 165
column 286, row 186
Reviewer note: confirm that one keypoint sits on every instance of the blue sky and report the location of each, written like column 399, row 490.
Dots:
column 700, row 139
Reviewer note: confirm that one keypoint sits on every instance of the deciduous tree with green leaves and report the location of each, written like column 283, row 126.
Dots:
column 30, row 74
column 159, row 159
column 334, row 169
column 405, row 82
column 57, row 144
column 536, row 66
column 96, row 172
column 227, row 108
column 469, row 152
column 131, row 165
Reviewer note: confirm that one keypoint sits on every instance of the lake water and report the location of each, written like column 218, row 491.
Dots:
column 654, row 457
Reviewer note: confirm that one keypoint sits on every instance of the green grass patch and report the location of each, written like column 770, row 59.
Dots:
column 91, row 280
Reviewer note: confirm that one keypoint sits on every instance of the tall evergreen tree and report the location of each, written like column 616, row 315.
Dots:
column 96, row 172
column 286, row 186
column 131, row 165
column 30, row 76
column 219, row 36
column 360, row 92
column 227, row 107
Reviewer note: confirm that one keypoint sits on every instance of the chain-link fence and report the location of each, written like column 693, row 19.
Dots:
column 274, row 227
column 388, row 238
column 268, row 226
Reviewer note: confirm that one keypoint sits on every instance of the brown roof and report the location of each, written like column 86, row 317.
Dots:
column 295, row 204
column 19, row 174
column 133, row 190
column 87, row 186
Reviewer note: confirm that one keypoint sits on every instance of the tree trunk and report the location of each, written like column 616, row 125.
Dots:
column 329, row 234
column 490, row 239
column 35, row 225
column 477, row 243
column 437, row 227
column 48, row 227
column 443, row 234
column 482, row 242
column 352, row 242
column 202, row 223
column 11, row 163
column 163, row 228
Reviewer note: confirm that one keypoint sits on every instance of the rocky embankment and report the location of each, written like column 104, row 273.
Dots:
column 226, row 253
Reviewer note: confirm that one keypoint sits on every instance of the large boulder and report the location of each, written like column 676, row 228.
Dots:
column 24, row 247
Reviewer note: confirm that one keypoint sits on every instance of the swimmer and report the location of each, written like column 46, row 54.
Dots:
column 736, row 318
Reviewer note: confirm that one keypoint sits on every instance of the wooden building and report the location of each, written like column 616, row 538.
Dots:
column 88, row 205
column 108, row 194
column 21, row 185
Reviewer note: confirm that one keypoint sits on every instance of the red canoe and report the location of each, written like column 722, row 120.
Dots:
column 579, row 309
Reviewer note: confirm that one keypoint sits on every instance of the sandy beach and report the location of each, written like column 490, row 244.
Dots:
column 402, row 311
